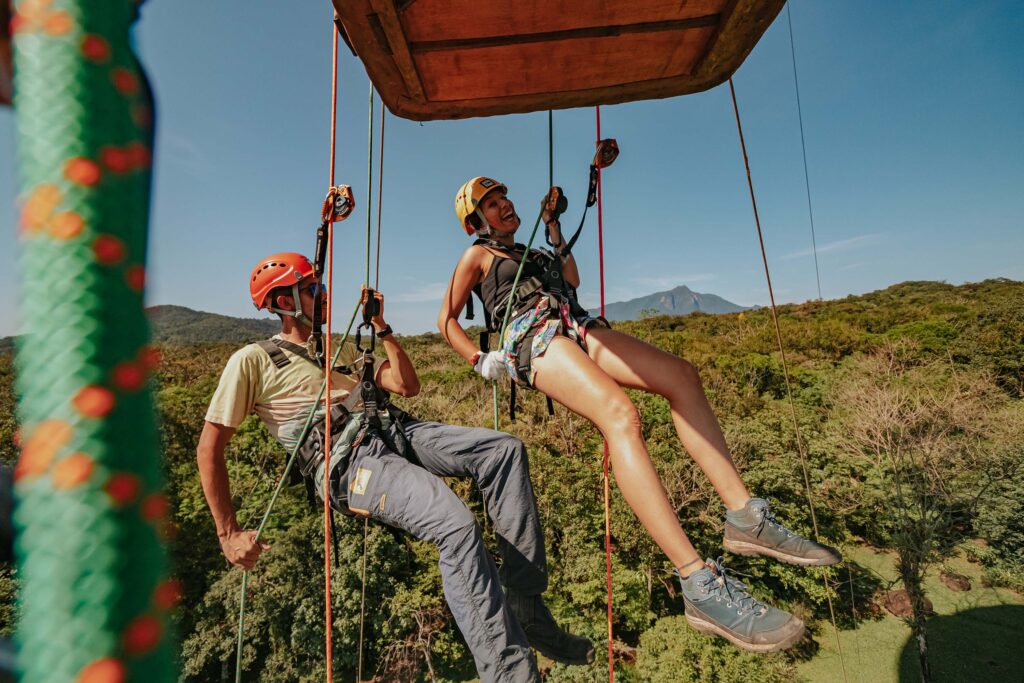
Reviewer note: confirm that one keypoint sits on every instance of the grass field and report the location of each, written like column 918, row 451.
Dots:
column 976, row 635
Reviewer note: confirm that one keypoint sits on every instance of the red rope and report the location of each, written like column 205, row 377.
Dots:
column 327, row 369
column 607, row 484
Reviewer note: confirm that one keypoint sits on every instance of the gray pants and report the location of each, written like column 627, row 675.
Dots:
column 389, row 488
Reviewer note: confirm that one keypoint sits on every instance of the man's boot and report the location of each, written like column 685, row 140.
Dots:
column 545, row 635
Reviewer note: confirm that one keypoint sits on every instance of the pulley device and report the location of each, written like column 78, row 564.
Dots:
column 555, row 203
column 338, row 205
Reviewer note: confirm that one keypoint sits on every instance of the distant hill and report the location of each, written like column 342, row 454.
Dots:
column 679, row 301
column 180, row 325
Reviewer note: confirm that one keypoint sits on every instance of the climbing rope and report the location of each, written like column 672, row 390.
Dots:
column 308, row 425
column 329, row 367
column 92, row 515
column 366, row 282
column 380, row 195
column 785, row 368
column 606, row 459
column 803, row 147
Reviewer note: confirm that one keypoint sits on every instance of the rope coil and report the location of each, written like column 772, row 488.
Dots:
column 91, row 513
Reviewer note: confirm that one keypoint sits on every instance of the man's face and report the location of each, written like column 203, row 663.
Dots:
column 307, row 294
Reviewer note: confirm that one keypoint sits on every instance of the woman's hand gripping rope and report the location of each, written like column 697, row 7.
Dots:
column 490, row 365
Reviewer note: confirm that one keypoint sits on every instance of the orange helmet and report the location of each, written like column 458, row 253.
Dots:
column 467, row 199
column 277, row 270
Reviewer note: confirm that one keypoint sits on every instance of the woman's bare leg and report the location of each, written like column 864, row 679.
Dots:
column 638, row 365
column 569, row 376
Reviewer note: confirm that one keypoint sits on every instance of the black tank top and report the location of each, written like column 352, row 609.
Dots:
column 541, row 276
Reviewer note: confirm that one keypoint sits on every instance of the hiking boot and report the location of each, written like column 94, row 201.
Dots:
column 545, row 635
column 718, row 604
column 755, row 531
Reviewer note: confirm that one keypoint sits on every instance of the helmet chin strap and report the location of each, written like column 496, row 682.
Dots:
column 299, row 315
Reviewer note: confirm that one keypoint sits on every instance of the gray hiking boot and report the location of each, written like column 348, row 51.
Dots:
column 720, row 605
column 755, row 531
column 545, row 635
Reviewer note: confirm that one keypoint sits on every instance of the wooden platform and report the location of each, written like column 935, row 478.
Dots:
column 451, row 59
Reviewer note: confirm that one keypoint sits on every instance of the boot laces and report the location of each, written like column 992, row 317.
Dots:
column 768, row 518
column 722, row 583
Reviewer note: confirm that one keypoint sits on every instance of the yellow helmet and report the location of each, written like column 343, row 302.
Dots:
column 467, row 199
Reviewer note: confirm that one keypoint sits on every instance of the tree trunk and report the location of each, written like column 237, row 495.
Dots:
column 922, row 649
column 912, row 573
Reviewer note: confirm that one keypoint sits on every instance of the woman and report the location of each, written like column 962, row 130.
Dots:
column 552, row 344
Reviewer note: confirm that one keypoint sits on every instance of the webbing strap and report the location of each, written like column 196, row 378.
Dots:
column 277, row 356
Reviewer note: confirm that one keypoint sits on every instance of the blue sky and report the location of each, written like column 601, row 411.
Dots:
column 913, row 115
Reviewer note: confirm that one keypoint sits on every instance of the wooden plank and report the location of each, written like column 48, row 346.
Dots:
column 569, row 34
column 427, row 20
column 518, row 70
column 737, row 34
column 392, row 25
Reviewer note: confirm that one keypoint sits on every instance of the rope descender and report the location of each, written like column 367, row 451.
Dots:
column 371, row 309
column 367, row 383
column 606, row 154
column 338, row 205
column 555, row 202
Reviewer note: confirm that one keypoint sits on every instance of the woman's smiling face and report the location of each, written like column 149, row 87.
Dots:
column 499, row 211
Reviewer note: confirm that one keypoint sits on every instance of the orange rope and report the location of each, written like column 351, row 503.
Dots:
column 327, row 368
column 607, row 482
column 785, row 369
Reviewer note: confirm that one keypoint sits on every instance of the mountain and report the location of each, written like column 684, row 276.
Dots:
column 177, row 324
column 180, row 325
column 679, row 301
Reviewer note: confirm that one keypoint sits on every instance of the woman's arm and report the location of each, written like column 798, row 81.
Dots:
column 569, row 270
column 466, row 276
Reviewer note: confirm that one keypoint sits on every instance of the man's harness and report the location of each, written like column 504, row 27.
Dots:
column 368, row 402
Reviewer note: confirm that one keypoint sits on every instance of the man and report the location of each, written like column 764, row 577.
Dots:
column 279, row 381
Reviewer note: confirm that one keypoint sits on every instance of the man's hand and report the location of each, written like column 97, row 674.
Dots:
column 377, row 320
column 242, row 549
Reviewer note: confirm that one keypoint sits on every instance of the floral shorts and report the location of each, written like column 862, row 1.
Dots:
column 537, row 327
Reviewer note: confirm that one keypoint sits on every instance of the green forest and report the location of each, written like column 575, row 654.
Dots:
column 910, row 406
